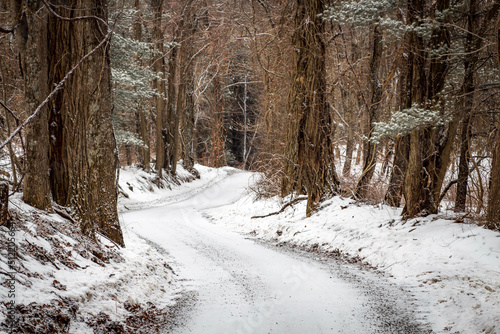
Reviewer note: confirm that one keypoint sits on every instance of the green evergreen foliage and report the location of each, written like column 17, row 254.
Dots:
column 131, row 76
column 405, row 121
column 359, row 13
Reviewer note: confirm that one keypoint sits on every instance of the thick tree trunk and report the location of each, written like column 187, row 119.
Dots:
column 84, row 156
column 493, row 216
column 308, row 165
column 4, row 123
column 467, row 99
column 430, row 148
column 32, row 44
column 370, row 156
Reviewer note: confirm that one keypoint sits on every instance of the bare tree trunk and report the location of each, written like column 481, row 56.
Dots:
column 84, row 155
column 171, row 112
column 370, row 156
column 350, row 143
column 181, row 105
column 143, row 153
column 128, row 155
column 473, row 42
column 187, row 113
column 395, row 190
column 13, row 158
column 430, row 148
column 159, row 67
column 309, row 151
column 188, row 124
column 493, row 216
column 217, row 137
column 32, row 44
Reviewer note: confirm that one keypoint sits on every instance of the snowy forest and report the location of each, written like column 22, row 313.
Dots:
column 358, row 138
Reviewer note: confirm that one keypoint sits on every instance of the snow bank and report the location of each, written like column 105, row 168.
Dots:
column 139, row 189
column 59, row 267
column 69, row 283
column 454, row 268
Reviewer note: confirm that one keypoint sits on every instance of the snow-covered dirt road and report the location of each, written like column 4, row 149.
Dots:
column 241, row 285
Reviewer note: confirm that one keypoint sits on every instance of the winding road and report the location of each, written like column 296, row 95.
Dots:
column 242, row 285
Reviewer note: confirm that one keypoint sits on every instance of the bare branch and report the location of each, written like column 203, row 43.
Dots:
column 10, row 111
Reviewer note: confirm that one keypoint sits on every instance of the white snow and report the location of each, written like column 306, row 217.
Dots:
column 241, row 286
column 452, row 268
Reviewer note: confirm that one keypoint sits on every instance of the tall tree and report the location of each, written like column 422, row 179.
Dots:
column 159, row 83
column 32, row 46
column 83, row 148
column 430, row 146
column 309, row 150
column 185, row 34
column 186, row 91
column 141, row 114
column 475, row 35
column 83, row 157
column 493, row 216
column 370, row 154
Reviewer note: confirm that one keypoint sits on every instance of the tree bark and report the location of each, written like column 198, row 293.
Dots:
column 309, row 154
column 493, row 215
column 143, row 152
column 473, row 42
column 170, row 139
column 159, row 68
column 31, row 40
column 83, row 148
column 430, row 148
column 395, row 190
column 370, row 156
column 217, row 136
column 186, row 88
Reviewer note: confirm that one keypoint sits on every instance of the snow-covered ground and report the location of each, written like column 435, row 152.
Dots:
column 241, row 285
column 77, row 285
column 452, row 268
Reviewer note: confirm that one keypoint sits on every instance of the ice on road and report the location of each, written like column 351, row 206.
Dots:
column 241, row 285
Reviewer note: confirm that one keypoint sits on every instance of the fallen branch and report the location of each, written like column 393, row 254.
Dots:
column 292, row 202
